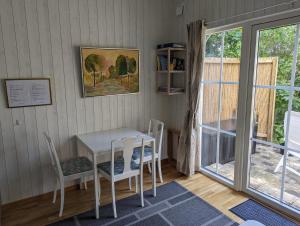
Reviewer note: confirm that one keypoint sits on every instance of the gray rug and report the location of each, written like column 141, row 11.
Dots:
column 173, row 205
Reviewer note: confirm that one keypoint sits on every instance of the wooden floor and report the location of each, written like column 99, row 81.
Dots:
column 40, row 210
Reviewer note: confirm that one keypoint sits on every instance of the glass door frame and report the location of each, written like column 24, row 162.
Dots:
column 245, row 98
column 235, row 183
column 249, row 100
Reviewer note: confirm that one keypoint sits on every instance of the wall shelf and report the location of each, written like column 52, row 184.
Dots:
column 166, row 81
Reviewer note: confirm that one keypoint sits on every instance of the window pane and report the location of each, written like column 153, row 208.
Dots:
column 209, row 149
column 229, row 107
column 263, row 162
column 268, row 114
column 227, row 156
column 213, row 53
column 214, row 45
column 275, row 55
column 210, row 105
column 232, row 55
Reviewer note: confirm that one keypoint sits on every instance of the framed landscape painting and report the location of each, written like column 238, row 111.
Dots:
column 109, row 71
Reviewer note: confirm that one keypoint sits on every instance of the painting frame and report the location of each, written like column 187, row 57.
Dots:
column 90, row 48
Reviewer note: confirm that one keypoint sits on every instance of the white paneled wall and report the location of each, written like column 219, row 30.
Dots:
column 218, row 13
column 42, row 38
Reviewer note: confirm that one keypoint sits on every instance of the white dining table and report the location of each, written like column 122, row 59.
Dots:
column 99, row 143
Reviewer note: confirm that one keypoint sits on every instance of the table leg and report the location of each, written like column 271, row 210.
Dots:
column 96, row 185
column 153, row 169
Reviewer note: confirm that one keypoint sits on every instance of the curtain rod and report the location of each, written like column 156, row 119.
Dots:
column 291, row 3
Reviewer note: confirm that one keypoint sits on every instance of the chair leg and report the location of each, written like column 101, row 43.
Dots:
column 130, row 183
column 62, row 198
column 55, row 192
column 159, row 171
column 136, row 184
column 114, row 198
column 99, row 191
column 149, row 167
column 142, row 190
column 85, row 184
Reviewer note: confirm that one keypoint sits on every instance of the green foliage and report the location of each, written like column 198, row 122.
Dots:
column 121, row 65
column 232, row 44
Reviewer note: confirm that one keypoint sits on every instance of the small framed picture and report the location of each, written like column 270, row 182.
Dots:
column 28, row 92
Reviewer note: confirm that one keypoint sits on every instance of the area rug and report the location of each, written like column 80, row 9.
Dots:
column 173, row 205
column 252, row 210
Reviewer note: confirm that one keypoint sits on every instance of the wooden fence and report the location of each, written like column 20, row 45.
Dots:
column 264, row 98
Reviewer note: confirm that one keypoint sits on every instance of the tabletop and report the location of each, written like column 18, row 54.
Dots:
column 100, row 141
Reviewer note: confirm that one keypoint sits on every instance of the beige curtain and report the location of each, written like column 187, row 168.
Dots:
column 188, row 158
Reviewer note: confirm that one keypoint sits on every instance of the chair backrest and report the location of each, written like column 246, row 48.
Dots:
column 53, row 156
column 156, row 129
column 293, row 130
column 126, row 145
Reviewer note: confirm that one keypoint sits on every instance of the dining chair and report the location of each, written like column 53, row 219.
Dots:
column 155, row 130
column 71, row 169
column 123, row 167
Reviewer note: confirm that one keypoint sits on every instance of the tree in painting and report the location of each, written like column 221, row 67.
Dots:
column 94, row 63
column 131, row 65
column 121, row 66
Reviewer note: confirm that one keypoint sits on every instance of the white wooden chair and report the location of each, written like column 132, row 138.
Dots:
column 123, row 167
column 156, row 129
column 72, row 169
column 293, row 141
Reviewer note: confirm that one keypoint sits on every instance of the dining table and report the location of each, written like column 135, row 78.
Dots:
column 99, row 144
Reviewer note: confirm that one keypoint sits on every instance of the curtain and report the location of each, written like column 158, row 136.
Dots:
column 188, row 155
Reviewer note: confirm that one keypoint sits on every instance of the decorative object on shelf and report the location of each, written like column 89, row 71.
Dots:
column 109, row 71
column 170, row 61
column 27, row 92
column 162, row 63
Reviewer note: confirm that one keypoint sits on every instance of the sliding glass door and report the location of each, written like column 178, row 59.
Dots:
column 274, row 138
column 220, row 86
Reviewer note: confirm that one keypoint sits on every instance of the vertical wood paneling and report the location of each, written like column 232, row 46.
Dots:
column 9, row 149
column 118, row 26
column 140, row 46
column 147, row 83
column 66, row 44
column 42, row 38
column 59, row 79
column 19, row 128
column 25, row 69
column 85, row 40
column 76, row 43
column 51, row 113
column 4, row 159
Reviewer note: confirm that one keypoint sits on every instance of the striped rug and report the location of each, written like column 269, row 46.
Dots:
column 173, row 205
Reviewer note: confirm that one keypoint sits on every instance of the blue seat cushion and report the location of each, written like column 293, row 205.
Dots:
column 137, row 152
column 118, row 166
column 76, row 165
